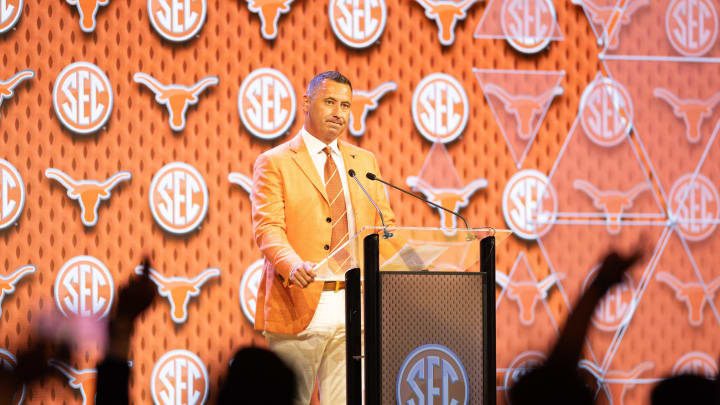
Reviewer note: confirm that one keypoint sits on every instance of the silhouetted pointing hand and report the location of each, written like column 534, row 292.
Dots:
column 614, row 267
column 137, row 295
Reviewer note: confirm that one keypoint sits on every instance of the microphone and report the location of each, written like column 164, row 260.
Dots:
column 372, row 176
column 386, row 234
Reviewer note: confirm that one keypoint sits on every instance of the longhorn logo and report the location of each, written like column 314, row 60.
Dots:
column 12, row 194
column 364, row 102
column 177, row 20
column 6, row 87
column 84, row 287
column 87, row 192
column 83, row 380
column 526, row 293
column 611, row 201
column 269, row 12
column 7, row 284
column 179, row 378
column 178, row 290
column 695, row 206
column 9, row 362
column 178, row 198
column 82, row 97
column 440, row 108
column 616, row 383
column 697, row 363
column 10, row 11
column 266, row 103
column 611, row 17
column 88, row 10
column 529, row 204
column 525, row 108
column 249, row 285
column 450, row 198
column 241, row 180
column 692, row 111
column 606, row 112
column 446, row 14
column 177, row 98
column 691, row 26
column 357, row 23
column 693, row 294
column 528, row 25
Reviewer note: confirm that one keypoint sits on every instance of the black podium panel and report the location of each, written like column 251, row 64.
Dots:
column 431, row 337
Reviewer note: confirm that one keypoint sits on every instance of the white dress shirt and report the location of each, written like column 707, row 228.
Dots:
column 315, row 148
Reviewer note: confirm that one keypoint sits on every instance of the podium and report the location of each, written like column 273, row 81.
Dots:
column 419, row 313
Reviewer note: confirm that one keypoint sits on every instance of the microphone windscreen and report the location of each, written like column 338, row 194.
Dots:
column 351, row 172
column 370, row 176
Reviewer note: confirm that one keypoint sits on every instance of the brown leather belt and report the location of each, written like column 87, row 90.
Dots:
column 333, row 286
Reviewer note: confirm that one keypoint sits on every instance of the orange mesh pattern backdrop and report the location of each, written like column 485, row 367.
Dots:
column 644, row 333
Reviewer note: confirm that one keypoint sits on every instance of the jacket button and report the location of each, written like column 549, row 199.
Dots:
column 326, row 247
column 328, row 220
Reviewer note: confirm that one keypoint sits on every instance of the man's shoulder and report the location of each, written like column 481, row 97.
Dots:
column 356, row 150
column 279, row 151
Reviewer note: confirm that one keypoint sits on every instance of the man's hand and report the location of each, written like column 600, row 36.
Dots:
column 135, row 297
column 614, row 267
column 303, row 274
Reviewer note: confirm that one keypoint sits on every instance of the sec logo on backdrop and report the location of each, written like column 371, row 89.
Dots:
column 529, row 204
column 357, row 23
column 606, row 112
column 179, row 378
column 528, row 24
column 12, row 194
column 178, row 198
column 440, row 108
column 82, row 97
column 266, row 103
column 695, row 206
column 432, row 374
column 10, row 11
column 177, row 20
column 84, row 287
column 249, row 285
column 691, row 26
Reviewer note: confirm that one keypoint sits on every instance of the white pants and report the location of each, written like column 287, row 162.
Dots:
column 319, row 350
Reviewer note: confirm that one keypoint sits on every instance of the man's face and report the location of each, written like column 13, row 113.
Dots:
column 327, row 110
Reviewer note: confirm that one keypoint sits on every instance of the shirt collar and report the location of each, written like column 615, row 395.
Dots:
column 315, row 145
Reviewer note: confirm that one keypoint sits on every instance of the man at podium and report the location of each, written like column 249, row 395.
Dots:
column 304, row 205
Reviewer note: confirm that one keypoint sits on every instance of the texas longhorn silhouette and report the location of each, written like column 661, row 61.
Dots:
column 526, row 293
column 612, row 202
column 176, row 98
column 692, row 293
column 364, row 102
column 83, row 380
column 446, row 14
column 616, row 382
column 88, row 10
column 611, row 17
column 241, row 180
column 269, row 11
column 6, row 87
column 7, row 284
column 450, row 198
column 87, row 192
column 178, row 290
column 692, row 111
column 525, row 108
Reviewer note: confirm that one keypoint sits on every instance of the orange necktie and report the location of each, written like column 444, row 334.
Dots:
column 338, row 209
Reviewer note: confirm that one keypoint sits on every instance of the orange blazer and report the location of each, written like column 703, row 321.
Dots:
column 289, row 208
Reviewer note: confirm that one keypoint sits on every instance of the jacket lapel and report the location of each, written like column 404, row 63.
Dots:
column 304, row 161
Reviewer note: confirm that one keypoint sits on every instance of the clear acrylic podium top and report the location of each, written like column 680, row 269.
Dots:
column 412, row 249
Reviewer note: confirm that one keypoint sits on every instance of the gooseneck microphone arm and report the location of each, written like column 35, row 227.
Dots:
column 386, row 234
column 372, row 176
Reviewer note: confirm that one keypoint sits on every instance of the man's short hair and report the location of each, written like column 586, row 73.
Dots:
column 330, row 75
